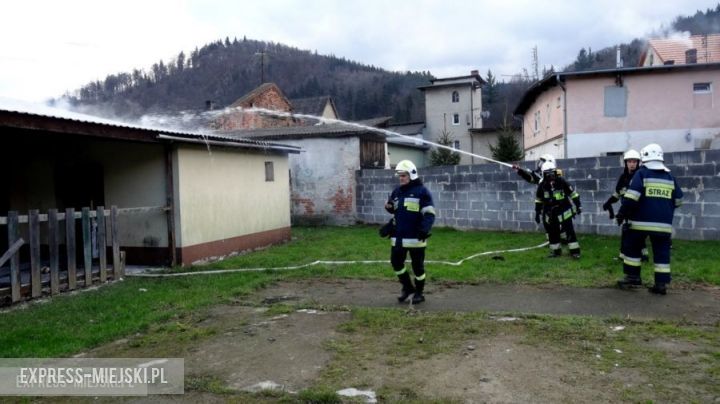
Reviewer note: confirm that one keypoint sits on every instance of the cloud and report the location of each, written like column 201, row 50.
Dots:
column 59, row 46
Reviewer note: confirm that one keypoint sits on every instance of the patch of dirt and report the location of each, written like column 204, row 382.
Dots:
column 247, row 347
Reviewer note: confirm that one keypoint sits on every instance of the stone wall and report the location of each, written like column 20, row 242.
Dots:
column 493, row 197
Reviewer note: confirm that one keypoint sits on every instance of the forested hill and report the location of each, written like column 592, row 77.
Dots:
column 225, row 70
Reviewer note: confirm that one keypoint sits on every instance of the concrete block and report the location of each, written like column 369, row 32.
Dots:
column 691, row 209
column 586, row 162
column 710, row 209
column 686, row 234
column 684, row 158
column 689, row 182
column 712, row 196
column 586, row 185
column 494, row 205
column 711, row 183
column 707, row 222
column 701, row 170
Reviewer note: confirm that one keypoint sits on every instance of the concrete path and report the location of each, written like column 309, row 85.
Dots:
column 699, row 306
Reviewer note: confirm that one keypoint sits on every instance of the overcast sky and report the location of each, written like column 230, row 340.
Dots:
column 50, row 47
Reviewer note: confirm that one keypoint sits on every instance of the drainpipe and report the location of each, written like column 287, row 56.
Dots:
column 472, row 124
column 170, row 202
column 565, row 132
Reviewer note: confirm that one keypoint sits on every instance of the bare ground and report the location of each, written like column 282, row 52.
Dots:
column 232, row 349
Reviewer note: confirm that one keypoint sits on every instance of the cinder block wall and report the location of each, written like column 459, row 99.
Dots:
column 493, row 197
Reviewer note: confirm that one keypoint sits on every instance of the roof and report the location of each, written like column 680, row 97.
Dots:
column 405, row 142
column 550, row 81
column 411, row 128
column 247, row 98
column 333, row 130
column 454, row 81
column 380, row 122
column 708, row 48
column 25, row 115
column 312, row 105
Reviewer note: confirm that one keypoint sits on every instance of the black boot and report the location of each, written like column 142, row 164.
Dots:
column 629, row 283
column 418, row 296
column 555, row 253
column 407, row 287
column 658, row 289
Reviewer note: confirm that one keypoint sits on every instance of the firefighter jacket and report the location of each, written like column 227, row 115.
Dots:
column 414, row 214
column 623, row 183
column 533, row 176
column 557, row 200
column 650, row 202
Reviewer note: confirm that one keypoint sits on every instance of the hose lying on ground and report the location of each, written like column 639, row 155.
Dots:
column 325, row 262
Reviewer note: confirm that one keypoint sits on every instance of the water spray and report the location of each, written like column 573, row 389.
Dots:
column 282, row 114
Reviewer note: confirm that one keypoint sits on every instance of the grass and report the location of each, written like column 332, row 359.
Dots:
column 693, row 262
column 378, row 340
column 68, row 324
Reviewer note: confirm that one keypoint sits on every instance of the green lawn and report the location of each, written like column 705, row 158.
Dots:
column 68, row 324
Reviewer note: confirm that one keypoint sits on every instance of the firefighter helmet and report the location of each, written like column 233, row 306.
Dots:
column 408, row 167
column 544, row 159
column 631, row 154
column 651, row 152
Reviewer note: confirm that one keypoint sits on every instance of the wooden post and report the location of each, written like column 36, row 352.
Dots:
column 122, row 263
column 87, row 246
column 54, row 251
column 102, row 242
column 70, row 247
column 13, row 235
column 117, row 268
column 35, row 276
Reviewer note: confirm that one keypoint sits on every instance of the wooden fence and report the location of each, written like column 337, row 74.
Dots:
column 72, row 275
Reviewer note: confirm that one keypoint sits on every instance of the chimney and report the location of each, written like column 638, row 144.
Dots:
column 473, row 72
column 209, row 105
column 618, row 59
column 691, row 56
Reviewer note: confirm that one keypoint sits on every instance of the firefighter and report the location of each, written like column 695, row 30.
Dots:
column 648, row 207
column 632, row 163
column 557, row 203
column 412, row 206
column 535, row 176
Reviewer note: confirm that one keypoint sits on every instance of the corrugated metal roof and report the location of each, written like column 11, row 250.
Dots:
column 298, row 132
column 45, row 111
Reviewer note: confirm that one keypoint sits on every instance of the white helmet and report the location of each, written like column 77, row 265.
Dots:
column 548, row 165
column 545, row 158
column 408, row 167
column 631, row 154
column 651, row 152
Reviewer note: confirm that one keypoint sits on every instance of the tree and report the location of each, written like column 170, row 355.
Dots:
column 444, row 157
column 507, row 148
column 490, row 88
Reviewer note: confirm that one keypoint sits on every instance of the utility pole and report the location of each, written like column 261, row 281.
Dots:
column 536, row 72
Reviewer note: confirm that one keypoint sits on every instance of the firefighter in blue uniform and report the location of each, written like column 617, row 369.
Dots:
column 412, row 206
column 632, row 163
column 557, row 203
column 648, row 207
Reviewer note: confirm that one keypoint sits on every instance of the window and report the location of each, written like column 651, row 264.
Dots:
column 536, row 128
column 456, row 119
column 547, row 115
column 702, row 88
column 559, row 102
column 455, row 96
column 615, row 102
column 269, row 171
column 456, row 145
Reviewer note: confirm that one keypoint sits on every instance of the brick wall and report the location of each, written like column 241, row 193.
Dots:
column 490, row 196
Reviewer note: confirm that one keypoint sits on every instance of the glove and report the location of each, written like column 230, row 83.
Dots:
column 388, row 229
column 607, row 205
column 578, row 210
column 537, row 217
column 620, row 218
column 422, row 235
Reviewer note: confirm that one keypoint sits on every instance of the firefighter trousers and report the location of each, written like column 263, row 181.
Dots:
column 398, row 254
column 633, row 243
column 554, row 228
